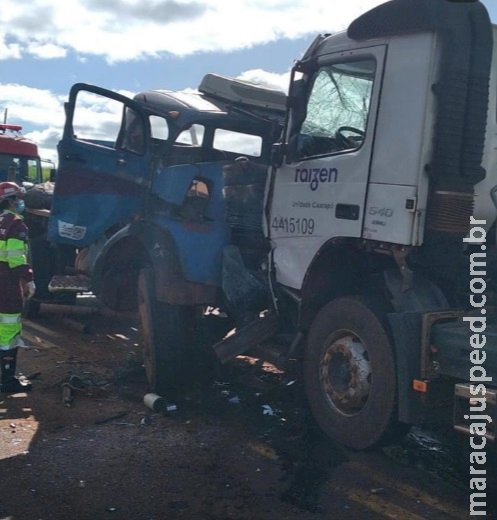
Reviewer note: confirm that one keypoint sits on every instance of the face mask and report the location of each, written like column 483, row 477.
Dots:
column 19, row 206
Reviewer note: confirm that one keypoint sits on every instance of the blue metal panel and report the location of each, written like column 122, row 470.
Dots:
column 200, row 248
column 199, row 243
column 82, row 219
column 171, row 185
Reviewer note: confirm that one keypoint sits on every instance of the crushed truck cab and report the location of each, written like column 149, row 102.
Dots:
column 160, row 181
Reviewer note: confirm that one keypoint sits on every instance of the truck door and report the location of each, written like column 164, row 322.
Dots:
column 103, row 169
column 319, row 192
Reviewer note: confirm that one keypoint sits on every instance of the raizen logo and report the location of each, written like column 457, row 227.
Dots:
column 316, row 176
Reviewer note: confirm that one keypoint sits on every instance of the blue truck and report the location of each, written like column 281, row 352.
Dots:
column 146, row 216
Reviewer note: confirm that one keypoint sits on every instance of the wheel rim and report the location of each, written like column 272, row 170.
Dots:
column 345, row 372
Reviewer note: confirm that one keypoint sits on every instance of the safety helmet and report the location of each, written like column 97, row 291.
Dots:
column 10, row 189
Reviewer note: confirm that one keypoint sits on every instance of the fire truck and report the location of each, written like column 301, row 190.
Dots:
column 19, row 158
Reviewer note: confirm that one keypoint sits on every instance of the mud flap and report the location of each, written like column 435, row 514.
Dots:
column 406, row 330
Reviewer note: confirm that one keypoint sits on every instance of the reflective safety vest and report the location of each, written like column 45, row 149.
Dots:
column 13, row 249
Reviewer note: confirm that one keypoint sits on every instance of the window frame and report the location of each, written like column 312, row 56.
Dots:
column 293, row 155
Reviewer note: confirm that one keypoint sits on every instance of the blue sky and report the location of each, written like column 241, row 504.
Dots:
column 132, row 45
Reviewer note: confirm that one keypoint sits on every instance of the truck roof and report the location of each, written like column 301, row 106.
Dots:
column 218, row 97
column 17, row 145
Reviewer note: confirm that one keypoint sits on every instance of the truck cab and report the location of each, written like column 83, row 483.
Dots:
column 19, row 158
column 157, row 176
column 386, row 166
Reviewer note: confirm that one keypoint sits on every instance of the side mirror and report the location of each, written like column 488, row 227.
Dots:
column 53, row 173
column 278, row 151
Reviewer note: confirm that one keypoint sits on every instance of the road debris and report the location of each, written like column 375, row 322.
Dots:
column 159, row 404
column 267, row 410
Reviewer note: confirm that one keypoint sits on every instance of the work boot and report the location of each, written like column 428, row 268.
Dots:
column 10, row 384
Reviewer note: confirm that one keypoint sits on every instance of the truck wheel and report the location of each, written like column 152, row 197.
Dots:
column 349, row 374
column 164, row 335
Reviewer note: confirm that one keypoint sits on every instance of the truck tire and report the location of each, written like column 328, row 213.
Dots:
column 164, row 334
column 349, row 374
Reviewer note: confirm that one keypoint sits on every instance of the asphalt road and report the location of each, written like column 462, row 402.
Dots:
column 240, row 446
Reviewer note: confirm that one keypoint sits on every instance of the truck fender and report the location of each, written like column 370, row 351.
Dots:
column 142, row 242
column 155, row 247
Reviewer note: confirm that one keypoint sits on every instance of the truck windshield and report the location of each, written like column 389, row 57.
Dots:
column 19, row 168
column 337, row 108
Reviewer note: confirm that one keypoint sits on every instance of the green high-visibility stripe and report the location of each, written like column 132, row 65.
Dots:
column 6, row 254
column 8, row 331
column 10, row 319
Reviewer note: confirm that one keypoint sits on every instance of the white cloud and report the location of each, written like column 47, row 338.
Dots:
column 46, row 140
column 35, row 108
column 46, row 51
column 267, row 79
column 129, row 29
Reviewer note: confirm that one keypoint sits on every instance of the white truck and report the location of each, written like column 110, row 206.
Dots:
column 380, row 213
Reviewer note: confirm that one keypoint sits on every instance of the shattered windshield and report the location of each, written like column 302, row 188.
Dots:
column 340, row 96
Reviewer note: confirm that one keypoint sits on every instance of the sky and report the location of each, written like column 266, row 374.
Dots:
column 133, row 45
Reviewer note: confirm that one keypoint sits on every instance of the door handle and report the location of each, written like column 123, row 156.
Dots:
column 347, row 211
column 75, row 158
column 120, row 162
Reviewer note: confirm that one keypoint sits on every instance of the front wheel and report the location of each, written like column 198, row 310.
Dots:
column 164, row 334
column 349, row 374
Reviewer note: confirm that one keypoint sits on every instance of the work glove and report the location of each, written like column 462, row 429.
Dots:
column 29, row 290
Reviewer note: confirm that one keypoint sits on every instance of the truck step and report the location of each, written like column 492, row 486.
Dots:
column 462, row 403
column 69, row 283
column 247, row 337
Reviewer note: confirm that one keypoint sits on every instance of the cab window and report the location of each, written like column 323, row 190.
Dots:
column 237, row 142
column 337, row 109
column 96, row 119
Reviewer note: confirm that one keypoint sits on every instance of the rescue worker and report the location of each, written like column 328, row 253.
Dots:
column 16, row 284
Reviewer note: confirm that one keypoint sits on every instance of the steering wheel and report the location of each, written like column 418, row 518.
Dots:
column 350, row 141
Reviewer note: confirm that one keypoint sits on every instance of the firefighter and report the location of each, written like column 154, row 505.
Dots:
column 16, row 284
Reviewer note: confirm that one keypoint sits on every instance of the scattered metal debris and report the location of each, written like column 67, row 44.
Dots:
column 267, row 410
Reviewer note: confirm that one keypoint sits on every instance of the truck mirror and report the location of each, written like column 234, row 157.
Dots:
column 53, row 173
column 277, row 154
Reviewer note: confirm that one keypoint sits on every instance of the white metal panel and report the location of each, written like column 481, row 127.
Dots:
column 239, row 91
column 305, row 214
column 390, row 212
column 401, row 132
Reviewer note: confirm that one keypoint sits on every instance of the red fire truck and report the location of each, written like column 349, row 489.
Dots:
column 19, row 158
